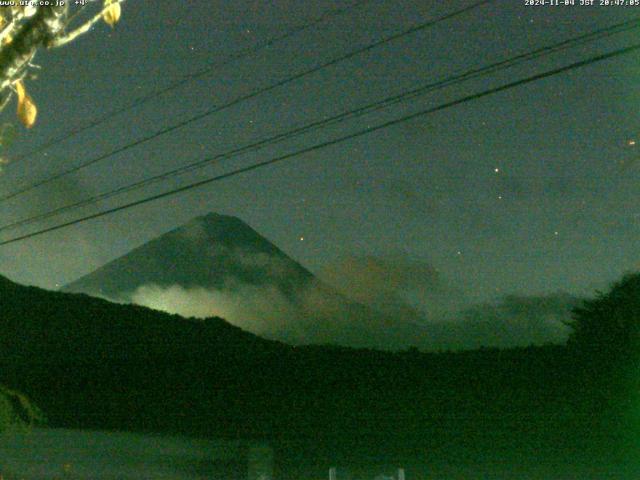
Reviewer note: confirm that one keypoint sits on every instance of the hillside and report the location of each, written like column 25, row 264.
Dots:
column 89, row 363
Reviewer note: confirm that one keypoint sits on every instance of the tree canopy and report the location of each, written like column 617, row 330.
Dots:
column 609, row 325
column 24, row 30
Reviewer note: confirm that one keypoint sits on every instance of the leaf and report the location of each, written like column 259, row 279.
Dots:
column 27, row 110
column 112, row 12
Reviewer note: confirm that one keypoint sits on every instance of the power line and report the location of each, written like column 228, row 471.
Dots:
column 243, row 98
column 319, row 146
column 372, row 107
column 242, row 54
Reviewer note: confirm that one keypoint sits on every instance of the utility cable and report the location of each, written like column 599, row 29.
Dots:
column 241, row 99
column 319, row 146
column 372, row 107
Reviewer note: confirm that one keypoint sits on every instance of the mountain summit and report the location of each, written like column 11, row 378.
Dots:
column 216, row 265
column 212, row 251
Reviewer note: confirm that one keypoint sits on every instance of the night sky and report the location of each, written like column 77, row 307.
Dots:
column 529, row 191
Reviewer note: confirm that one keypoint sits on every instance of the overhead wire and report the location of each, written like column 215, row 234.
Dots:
column 344, row 116
column 185, row 79
column 237, row 100
column 328, row 143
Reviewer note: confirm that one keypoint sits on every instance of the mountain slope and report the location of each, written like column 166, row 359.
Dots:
column 218, row 265
column 92, row 363
column 212, row 251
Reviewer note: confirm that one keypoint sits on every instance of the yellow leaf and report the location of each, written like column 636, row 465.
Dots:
column 112, row 12
column 27, row 110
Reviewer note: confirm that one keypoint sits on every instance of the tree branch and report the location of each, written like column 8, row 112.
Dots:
column 71, row 36
column 36, row 32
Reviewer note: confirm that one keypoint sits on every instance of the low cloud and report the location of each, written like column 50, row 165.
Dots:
column 390, row 303
column 259, row 309
column 395, row 284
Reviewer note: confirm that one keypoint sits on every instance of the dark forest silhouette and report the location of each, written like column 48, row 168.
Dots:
column 88, row 363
